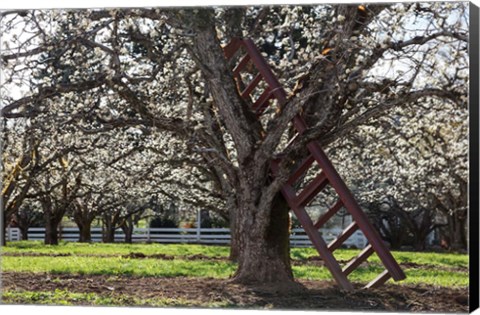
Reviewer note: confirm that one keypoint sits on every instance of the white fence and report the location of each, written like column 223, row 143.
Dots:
column 298, row 238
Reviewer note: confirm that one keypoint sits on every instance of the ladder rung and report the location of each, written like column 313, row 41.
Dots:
column 251, row 85
column 262, row 101
column 343, row 236
column 311, row 190
column 243, row 62
column 301, row 169
column 327, row 215
column 364, row 254
column 379, row 280
column 317, row 241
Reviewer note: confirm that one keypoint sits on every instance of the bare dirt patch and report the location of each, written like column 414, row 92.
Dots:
column 317, row 295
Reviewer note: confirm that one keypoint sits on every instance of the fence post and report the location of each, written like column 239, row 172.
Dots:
column 9, row 234
column 148, row 233
column 199, row 223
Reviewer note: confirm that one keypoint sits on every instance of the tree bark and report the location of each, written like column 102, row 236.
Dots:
column 234, row 237
column 85, row 232
column 83, row 218
column 53, row 216
column 127, row 228
column 6, row 222
column 108, row 232
column 51, row 232
column 264, row 256
column 457, row 232
column 24, row 232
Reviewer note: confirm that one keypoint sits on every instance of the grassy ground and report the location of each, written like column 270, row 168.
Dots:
column 437, row 269
column 64, row 297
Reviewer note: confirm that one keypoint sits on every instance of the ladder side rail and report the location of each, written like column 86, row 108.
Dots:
column 359, row 216
column 265, row 70
column 231, row 48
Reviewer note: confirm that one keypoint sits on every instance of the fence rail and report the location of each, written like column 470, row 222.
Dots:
column 219, row 236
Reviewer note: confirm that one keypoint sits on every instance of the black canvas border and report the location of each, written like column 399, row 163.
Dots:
column 474, row 159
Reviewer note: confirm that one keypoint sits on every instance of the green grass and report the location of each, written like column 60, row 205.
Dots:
column 62, row 297
column 180, row 250
column 116, row 249
column 439, row 270
column 431, row 259
column 119, row 266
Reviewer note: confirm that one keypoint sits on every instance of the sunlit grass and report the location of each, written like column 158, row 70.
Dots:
column 208, row 269
column 119, row 266
column 106, row 259
column 116, row 249
column 430, row 259
column 182, row 250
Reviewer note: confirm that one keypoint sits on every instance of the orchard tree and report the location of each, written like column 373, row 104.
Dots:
column 29, row 215
column 420, row 161
column 165, row 69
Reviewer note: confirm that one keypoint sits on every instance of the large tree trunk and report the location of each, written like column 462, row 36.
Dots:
column 260, row 227
column 264, row 255
column 234, row 237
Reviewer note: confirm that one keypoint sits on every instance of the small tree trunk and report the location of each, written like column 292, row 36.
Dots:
column 23, row 225
column 127, row 228
column 51, row 231
column 457, row 235
column 419, row 243
column 6, row 221
column 4, row 233
column 108, row 235
column 85, row 232
column 24, row 232
column 108, row 231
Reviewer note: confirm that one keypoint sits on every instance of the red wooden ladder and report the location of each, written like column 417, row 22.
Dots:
column 326, row 176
